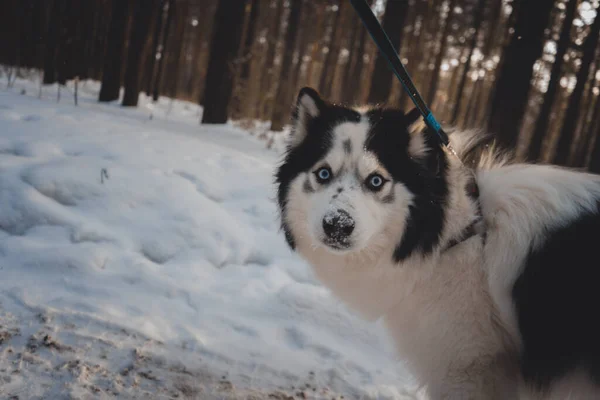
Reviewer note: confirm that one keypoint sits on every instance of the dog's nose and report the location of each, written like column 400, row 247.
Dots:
column 338, row 224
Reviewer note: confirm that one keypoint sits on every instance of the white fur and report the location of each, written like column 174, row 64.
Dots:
column 450, row 313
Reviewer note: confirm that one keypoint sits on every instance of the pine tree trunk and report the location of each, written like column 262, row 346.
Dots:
column 175, row 61
column 330, row 62
column 565, row 141
column 478, row 17
column 353, row 57
column 512, row 86
column 115, row 46
column 393, row 23
column 592, row 130
column 139, row 31
column 226, row 37
column 543, row 119
column 156, row 86
column 582, row 150
column 273, row 34
column 149, row 73
column 595, row 154
column 440, row 55
column 249, row 42
column 283, row 96
column 53, row 42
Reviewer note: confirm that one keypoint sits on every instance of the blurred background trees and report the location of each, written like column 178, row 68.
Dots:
column 525, row 70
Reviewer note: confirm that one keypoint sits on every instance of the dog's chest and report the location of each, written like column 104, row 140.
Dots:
column 446, row 319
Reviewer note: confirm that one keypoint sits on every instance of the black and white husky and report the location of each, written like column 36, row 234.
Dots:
column 489, row 295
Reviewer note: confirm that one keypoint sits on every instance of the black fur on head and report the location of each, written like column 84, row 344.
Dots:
column 389, row 139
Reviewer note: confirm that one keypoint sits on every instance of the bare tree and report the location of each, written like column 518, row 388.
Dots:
column 514, row 80
column 565, row 142
column 144, row 10
column 115, row 47
column 441, row 53
column 543, row 119
column 477, row 19
column 283, row 96
column 226, row 37
column 393, row 22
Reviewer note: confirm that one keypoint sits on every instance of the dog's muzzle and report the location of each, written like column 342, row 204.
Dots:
column 338, row 226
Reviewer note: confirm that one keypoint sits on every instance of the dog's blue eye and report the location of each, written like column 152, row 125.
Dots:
column 323, row 174
column 375, row 182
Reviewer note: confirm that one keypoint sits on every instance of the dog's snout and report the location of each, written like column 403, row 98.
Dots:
column 338, row 224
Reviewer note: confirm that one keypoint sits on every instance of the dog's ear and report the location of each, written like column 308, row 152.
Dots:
column 412, row 117
column 417, row 147
column 309, row 105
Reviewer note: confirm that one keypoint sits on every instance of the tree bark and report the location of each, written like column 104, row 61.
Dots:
column 567, row 132
column 156, row 87
column 53, row 42
column 441, row 53
column 149, row 73
column 227, row 33
column 478, row 17
column 282, row 97
column 137, row 40
column 115, row 46
column 595, row 154
column 514, row 80
column 247, row 49
column 393, row 23
column 543, row 119
column 330, row 61
column 273, row 34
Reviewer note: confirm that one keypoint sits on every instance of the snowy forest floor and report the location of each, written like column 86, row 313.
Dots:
column 140, row 257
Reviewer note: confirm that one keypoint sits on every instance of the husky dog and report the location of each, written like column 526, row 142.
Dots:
column 488, row 294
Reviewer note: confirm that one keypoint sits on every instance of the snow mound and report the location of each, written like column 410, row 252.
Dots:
column 142, row 257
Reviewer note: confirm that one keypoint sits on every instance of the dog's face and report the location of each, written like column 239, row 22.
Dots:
column 353, row 182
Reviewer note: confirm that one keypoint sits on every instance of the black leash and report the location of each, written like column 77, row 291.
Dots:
column 386, row 47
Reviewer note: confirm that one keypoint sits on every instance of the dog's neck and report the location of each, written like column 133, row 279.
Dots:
column 463, row 212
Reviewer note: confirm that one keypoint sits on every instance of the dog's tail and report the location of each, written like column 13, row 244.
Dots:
column 479, row 150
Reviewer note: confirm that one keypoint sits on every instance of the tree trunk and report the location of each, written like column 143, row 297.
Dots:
column 176, row 52
column 440, row 55
column 273, row 34
column 592, row 130
column 514, row 80
column 53, row 42
column 305, row 36
column 595, row 154
column 149, row 73
column 541, row 125
column 163, row 51
column 137, row 40
column 478, row 17
column 249, row 42
column 227, row 33
column 565, row 140
column 330, row 59
column 113, row 58
column 283, row 99
column 393, row 23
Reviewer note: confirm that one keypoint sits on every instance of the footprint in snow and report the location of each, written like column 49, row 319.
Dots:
column 31, row 118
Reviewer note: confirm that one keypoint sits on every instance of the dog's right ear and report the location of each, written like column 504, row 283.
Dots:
column 309, row 105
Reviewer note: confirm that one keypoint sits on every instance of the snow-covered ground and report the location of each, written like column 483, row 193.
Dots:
column 140, row 258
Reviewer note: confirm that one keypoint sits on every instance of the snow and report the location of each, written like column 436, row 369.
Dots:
column 140, row 256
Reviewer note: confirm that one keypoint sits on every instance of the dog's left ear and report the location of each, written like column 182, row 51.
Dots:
column 412, row 117
column 417, row 147
column 309, row 105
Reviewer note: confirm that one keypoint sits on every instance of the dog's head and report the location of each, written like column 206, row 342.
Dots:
column 355, row 182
